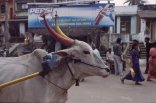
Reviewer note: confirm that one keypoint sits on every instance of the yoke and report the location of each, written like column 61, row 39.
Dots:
column 19, row 80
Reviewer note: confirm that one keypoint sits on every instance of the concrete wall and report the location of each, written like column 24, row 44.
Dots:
column 154, row 31
column 22, row 29
column 10, row 5
column 104, row 42
column 126, row 10
column 118, row 25
column 143, row 25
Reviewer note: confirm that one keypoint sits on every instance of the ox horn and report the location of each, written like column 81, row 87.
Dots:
column 65, row 41
column 57, row 28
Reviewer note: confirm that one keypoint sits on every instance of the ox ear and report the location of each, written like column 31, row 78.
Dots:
column 61, row 53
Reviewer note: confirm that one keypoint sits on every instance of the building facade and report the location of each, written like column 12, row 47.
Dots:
column 126, row 23
column 18, row 17
column 147, row 14
column 6, row 14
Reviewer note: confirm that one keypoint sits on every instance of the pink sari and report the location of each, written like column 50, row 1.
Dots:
column 152, row 64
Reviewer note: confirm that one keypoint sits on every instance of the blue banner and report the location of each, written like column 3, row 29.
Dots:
column 72, row 15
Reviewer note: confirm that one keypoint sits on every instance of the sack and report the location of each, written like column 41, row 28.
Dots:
column 132, row 72
column 49, row 61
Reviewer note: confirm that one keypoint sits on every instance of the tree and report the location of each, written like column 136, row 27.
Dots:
column 135, row 2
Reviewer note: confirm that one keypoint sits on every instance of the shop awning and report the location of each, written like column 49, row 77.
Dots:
column 16, row 20
column 147, row 14
column 74, row 32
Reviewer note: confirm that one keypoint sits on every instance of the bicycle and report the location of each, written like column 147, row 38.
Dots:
column 3, row 52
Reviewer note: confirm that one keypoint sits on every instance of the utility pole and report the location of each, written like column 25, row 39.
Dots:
column 6, row 28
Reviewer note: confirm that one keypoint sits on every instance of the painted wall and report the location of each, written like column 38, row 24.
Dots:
column 22, row 29
column 10, row 5
column 154, row 31
column 126, row 10
column 118, row 25
column 133, row 24
column 143, row 25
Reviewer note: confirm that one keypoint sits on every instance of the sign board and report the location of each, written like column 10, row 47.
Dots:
column 72, row 15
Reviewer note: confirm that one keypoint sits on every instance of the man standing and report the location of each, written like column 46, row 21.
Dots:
column 110, row 59
column 117, row 49
column 148, row 46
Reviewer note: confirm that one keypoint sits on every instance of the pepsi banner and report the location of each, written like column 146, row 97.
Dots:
column 71, row 15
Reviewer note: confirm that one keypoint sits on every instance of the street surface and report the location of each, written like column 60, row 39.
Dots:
column 110, row 90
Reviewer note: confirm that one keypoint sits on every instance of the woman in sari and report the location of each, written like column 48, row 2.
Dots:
column 152, row 63
column 134, row 63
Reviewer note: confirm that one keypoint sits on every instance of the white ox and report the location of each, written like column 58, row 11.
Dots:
column 53, row 88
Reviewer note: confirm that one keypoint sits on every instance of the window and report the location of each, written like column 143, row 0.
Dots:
column 125, row 24
column 22, row 6
column 2, row 8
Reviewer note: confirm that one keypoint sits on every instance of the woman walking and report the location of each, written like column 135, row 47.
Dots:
column 134, row 63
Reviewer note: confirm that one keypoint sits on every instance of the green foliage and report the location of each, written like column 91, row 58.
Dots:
column 135, row 2
column 147, row 30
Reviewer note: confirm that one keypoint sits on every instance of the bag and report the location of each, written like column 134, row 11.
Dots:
column 49, row 61
column 132, row 72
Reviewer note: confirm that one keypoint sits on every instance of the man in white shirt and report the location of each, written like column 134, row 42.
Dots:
column 110, row 55
column 110, row 59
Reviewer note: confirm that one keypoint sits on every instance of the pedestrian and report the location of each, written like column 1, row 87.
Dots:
column 48, row 43
column 118, row 64
column 28, row 43
column 57, row 46
column 135, row 66
column 96, row 51
column 110, row 59
column 148, row 46
column 152, row 63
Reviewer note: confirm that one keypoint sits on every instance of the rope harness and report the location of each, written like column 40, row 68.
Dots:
column 67, row 60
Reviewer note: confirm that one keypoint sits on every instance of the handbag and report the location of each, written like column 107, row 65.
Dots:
column 132, row 72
